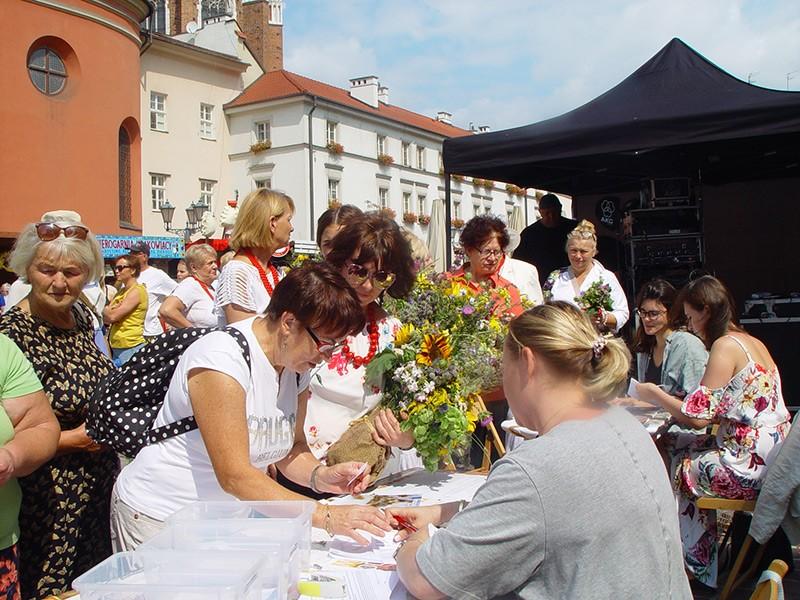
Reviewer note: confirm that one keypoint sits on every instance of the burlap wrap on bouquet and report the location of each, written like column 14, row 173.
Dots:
column 356, row 444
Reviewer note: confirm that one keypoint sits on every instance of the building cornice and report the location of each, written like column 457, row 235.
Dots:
column 171, row 46
column 140, row 10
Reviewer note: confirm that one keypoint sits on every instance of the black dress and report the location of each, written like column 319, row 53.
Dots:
column 64, row 518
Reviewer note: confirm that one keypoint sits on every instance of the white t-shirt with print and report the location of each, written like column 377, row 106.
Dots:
column 167, row 476
column 199, row 303
column 159, row 285
column 239, row 283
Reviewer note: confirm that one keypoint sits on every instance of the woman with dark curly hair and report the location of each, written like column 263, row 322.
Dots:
column 375, row 258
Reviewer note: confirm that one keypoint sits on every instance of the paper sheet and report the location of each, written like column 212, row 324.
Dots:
column 435, row 488
column 380, row 549
column 371, row 584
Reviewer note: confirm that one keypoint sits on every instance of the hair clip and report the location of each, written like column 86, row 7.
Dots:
column 598, row 345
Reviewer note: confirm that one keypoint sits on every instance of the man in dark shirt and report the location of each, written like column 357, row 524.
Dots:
column 543, row 243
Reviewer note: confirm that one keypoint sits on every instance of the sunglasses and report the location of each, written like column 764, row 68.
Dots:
column 325, row 348
column 50, row 231
column 650, row 314
column 359, row 274
column 119, row 268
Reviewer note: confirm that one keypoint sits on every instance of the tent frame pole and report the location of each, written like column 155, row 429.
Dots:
column 448, row 233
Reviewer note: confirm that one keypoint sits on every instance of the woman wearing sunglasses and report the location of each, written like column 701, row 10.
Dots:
column 670, row 361
column 126, row 312
column 65, row 506
column 374, row 257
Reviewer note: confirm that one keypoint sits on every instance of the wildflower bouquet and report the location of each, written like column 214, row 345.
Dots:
column 446, row 354
column 596, row 299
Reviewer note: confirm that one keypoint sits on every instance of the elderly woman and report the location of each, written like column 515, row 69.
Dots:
column 570, row 282
column 741, row 391
column 29, row 435
column 126, row 312
column 64, row 515
column 248, row 417
column 484, row 240
column 583, row 511
column 192, row 302
column 246, row 283
column 331, row 221
column 374, row 257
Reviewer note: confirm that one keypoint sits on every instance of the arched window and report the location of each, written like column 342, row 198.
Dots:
column 124, row 146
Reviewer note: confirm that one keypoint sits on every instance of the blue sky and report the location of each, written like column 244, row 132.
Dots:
column 505, row 63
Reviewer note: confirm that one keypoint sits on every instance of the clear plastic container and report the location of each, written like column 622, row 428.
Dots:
column 274, row 566
column 211, row 576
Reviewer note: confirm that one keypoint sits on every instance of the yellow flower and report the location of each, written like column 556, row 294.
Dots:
column 434, row 346
column 404, row 334
column 456, row 288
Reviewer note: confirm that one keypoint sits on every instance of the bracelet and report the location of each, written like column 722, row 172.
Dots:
column 313, row 481
column 328, row 521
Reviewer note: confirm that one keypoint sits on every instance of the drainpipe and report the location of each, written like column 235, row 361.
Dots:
column 146, row 35
column 311, row 167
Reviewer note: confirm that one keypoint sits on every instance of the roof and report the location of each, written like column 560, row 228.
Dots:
column 675, row 116
column 275, row 85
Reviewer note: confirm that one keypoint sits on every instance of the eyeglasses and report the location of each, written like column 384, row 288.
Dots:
column 47, row 232
column 325, row 348
column 119, row 268
column 649, row 314
column 359, row 274
column 489, row 254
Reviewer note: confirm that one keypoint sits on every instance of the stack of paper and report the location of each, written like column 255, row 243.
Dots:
column 380, row 549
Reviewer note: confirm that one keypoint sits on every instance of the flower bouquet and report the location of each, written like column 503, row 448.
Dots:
column 446, row 354
column 596, row 299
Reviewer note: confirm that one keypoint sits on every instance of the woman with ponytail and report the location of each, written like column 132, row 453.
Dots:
column 583, row 511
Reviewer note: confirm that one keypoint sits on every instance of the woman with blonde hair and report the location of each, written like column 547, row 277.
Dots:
column 584, row 269
column 246, row 283
column 583, row 511
column 192, row 302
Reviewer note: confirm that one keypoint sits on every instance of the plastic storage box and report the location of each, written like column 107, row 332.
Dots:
column 199, row 576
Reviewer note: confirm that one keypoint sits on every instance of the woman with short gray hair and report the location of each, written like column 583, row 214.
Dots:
column 192, row 302
column 65, row 508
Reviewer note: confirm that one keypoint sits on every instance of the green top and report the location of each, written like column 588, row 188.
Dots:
column 17, row 378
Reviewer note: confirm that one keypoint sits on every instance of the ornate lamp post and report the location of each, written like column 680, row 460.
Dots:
column 194, row 216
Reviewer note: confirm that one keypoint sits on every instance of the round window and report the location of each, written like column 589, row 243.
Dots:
column 47, row 71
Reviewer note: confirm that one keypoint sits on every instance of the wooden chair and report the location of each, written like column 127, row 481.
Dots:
column 737, row 506
column 492, row 440
column 770, row 588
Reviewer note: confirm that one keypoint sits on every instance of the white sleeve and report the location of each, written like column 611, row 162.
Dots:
column 536, row 296
column 187, row 292
column 218, row 351
column 618, row 300
column 234, row 285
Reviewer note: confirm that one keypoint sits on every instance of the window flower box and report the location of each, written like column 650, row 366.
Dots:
column 477, row 182
column 458, row 178
column 457, row 223
column 335, row 148
column 334, row 203
column 385, row 160
column 388, row 212
column 424, row 219
column 260, row 146
column 488, row 184
column 410, row 218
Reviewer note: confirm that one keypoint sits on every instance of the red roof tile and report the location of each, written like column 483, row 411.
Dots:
column 284, row 84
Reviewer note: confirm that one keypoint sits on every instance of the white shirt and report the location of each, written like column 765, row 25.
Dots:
column 167, row 476
column 240, row 284
column 159, row 285
column 563, row 289
column 17, row 291
column 199, row 304
column 525, row 277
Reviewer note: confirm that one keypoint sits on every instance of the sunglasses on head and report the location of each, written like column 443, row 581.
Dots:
column 50, row 231
column 325, row 348
column 359, row 274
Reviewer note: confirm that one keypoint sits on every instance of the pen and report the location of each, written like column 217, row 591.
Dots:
column 405, row 523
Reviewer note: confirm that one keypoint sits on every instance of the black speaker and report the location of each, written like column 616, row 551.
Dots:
column 781, row 341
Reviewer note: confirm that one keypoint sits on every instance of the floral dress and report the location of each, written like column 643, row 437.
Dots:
column 752, row 420
column 64, row 515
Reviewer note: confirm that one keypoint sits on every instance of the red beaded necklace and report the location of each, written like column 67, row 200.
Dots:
column 270, row 287
column 372, row 330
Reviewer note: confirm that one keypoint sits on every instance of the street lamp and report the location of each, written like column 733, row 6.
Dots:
column 194, row 215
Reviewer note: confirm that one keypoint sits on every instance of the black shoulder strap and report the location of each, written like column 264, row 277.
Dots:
column 188, row 423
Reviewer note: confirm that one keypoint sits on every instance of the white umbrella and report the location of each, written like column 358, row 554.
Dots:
column 517, row 220
column 437, row 239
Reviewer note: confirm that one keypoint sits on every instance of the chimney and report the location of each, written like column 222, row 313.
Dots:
column 181, row 12
column 383, row 94
column 444, row 117
column 365, row 89
column 262, row 25
column 484, row 129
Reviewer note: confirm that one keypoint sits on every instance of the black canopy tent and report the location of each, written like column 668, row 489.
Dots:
column 677, row 115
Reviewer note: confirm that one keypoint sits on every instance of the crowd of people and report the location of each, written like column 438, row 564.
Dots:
column 283, row 377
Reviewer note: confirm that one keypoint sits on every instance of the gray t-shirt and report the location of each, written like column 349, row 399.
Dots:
column 585, row 511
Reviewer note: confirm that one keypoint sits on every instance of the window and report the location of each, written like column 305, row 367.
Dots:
column 330, row 132
column 441, row 162
column 207, row 121
column 158, row 190
column 263, row 184
column 487, row 209
column 421, row 158
column 207, row 191
column 333, row 189
column 476, row 209
column 160, row 17
column 406, row 154
column 382, row 145
column 383, row 198
column 406, row 202
column 456, row 210
column 275, row 13
column 158, row 111
column 422, row 204
column 262, row 131
column 509, row 210
column 124, row 176
column 47, row 71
